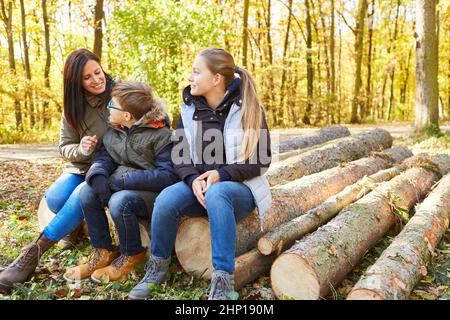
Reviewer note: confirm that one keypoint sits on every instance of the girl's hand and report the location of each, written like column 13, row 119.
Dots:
column 211, row 176
column 197, row 188
column 88, row 144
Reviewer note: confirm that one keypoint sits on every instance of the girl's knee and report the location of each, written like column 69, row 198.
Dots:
column 216, row 194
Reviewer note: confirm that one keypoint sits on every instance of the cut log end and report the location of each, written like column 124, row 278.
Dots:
column 194, row 233
column 265, row 246
column 364, row 294
column 293, row 278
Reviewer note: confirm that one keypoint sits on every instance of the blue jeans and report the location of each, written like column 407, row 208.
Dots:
column 225, row 203
column 125, row 207
column 63, row 199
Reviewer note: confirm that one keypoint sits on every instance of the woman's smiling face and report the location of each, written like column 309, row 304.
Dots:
column 202, row 80
column 93, row 78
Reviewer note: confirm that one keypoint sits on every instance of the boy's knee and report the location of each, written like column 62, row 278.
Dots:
column 87, row 194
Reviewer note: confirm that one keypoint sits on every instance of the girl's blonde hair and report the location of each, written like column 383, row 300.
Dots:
column 221, row 61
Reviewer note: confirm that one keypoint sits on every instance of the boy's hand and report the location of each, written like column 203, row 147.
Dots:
column 116, row 184
column 100, row 187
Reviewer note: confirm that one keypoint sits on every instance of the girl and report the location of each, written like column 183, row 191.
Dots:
column 87, row 90
column 127, row 173
column 222, row 177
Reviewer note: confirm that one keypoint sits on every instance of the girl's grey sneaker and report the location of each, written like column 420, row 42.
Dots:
column 155, row 271
column 222, row 286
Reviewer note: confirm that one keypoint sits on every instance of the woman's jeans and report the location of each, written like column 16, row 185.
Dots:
column 63, row 199
column 125, row 207
column 225, row 203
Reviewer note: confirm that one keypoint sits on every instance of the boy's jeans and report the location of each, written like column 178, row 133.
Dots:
column 125, row 207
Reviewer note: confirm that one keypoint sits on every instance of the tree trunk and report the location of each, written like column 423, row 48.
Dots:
column 28, row 95
column 46, row 113
column 309, row 66
column 359, row 47
column 332, row 62
column 368, row 105
column 324, row 43
column 339, row 84
column 398, row 270
column 448, row 77
column 320, row 261
column 7, row 20
column 285, row 235
column 406, row 79
column 270, row 94
column 249, row 266
column 193, row 244
column 328, row 156
column 98, row 30
column 391, row 96
column 426, row 66
column 283, row 110
column 323, row 135
column 245, row 34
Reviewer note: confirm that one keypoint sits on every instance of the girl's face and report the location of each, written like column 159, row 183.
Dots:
column 202, row 80
column 93, row 79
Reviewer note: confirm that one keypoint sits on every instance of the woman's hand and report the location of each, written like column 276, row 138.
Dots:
column 87, row 144
column 211, row 177
column 197, row 187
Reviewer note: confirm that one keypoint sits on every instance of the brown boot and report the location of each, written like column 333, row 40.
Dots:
column 118, row 268
column 22, row 268
column 100, row 259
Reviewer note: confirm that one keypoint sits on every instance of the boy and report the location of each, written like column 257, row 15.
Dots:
column 128, row 172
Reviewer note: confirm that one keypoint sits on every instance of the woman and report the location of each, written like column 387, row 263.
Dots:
column 87, row 90
column 222, row 177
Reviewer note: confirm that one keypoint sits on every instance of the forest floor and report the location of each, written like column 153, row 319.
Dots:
column 25, row 175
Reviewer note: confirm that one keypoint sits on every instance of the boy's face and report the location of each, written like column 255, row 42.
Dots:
column 116, row 114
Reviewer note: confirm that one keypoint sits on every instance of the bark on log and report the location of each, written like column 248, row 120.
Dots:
column 285, row 235
column 193, row 246
column 323, row 135
column 399, row 268
column 249, row 266
column 45, row 215
column 321, row 260
column 328, row 156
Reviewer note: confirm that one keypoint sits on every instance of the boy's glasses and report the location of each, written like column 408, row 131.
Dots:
column 111, row 106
